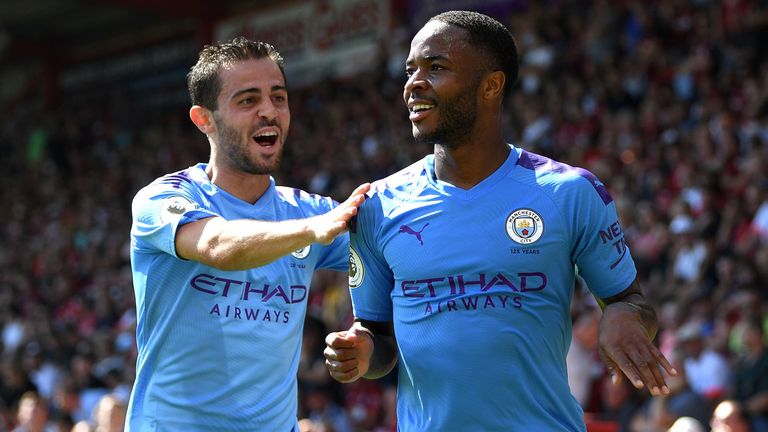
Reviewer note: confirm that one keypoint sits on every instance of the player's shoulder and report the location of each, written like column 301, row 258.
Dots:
column 400, row 181
column 183, row 182
column 302, row 200
column 560, row 177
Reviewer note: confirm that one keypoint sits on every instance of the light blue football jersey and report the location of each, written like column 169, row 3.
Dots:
column 479, row 284
column 218, row 350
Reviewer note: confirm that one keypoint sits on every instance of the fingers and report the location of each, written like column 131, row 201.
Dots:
column 664, row 362
column 642, row 365
column 325, row 228
column 339, row 340
column 328, row 226
column 361, row 190
column 614, row 372
column 357, row 196
column 341, row 357
column 343, row 371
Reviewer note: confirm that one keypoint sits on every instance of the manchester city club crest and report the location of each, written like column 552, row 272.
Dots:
column 524, row 226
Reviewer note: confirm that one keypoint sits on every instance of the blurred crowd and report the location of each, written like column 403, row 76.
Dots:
column 665, row 101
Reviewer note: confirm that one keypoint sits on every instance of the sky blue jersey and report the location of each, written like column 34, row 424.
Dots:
column 479, row 283
column 218, row 350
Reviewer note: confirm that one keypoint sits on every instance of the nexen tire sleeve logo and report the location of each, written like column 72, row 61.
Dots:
column 356, row 269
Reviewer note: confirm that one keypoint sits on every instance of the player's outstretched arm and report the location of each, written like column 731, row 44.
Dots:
column 368, row 349
column 247, row 243
column 627, row 330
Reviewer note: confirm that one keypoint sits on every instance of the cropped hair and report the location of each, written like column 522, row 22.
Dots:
column 491, row 37
column 203, row 79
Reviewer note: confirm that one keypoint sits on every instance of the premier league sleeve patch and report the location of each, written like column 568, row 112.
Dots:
column 524, row 226
column 173, row 207
column 302, row 253
column 356, row 269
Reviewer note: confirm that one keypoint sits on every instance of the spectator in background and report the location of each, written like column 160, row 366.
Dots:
column 730, row 416
column 706, row 370
column 109, row 415
column 617, row 404
column 82, row 426
column 32, row 414
column 671, row 317
column 583, row 360
column 312, row 373
column 323, row 411
column 660, row 413
column 749, row 383
column 15, row 383
column 688, row 250
column 687, row 424
column 222, row 259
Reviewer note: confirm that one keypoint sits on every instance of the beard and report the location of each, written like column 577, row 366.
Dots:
column 236, row 151
column 457, row 119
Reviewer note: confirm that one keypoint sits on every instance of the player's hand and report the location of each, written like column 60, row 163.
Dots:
column 348, row 354
column 627, row 350
column 325, row 228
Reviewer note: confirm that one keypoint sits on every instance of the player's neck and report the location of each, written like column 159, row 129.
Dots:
column 464, row 166
column 247, row 187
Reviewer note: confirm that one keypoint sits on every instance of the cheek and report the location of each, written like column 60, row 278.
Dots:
column 285, row 121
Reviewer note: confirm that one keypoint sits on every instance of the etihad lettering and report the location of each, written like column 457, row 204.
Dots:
column 247, row 290
column 461, row 284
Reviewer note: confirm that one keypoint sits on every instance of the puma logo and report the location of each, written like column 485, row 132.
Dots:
column 408, row 230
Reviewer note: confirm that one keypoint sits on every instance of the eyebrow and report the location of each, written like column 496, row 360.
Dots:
column 429, row 58
column 274, row 88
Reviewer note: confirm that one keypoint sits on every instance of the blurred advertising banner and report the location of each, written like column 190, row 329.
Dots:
column 421, row 10
column 156, row 73
column 317, row 39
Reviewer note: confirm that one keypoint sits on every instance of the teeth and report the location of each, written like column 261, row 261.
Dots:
column 267, row 134
column 421, row 107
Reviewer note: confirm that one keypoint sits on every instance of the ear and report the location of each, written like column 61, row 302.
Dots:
column 202, row 118
column 494, row 85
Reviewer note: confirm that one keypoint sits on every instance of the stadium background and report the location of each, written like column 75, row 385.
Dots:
column 666, row 101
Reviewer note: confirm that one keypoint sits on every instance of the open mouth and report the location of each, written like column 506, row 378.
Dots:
column 421, row 107
column 266, row 138
column 420, row 110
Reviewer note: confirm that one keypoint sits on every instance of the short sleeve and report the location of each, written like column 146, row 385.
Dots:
column 370, row 278
column 599, row 250
column 158, row 210
column 335, row 254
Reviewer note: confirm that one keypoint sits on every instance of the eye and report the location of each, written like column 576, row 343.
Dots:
column 280, row 98
column 409, row 71
column 246, row 101
column 436, row 67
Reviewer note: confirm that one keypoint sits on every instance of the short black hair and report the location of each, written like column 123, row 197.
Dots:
column 491, row 37
column 203, row 79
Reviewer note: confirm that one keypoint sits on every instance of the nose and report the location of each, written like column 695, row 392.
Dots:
column 267, row 110
column 416, row 81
